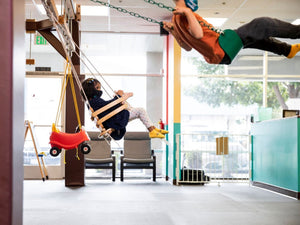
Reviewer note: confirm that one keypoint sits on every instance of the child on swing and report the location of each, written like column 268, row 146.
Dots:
column 118, row 122
column 258, row 34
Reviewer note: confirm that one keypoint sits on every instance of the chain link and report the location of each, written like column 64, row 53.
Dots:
column 134, row 14
column 149, row 19
column 160, row 5
column 219, row 31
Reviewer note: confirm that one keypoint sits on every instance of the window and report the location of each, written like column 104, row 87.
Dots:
column 41, row 104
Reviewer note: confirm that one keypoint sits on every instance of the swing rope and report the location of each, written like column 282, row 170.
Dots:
column 68, row 53
column 57, row 25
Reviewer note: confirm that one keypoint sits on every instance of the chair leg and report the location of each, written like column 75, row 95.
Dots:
column 114, row 172
column 122, row 172
column 154, row 171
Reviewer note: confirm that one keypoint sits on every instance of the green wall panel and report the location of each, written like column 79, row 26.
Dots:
column 275, row 153
column 177, row 130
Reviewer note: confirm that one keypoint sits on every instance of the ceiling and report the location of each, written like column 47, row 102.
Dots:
column 237, row 12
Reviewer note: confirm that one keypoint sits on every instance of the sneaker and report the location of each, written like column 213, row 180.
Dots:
column 155, row 134
column 162, row 131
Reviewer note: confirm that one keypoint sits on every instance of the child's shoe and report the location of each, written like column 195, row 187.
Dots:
column 162, row 131
column 294, row 50
column 155, row 134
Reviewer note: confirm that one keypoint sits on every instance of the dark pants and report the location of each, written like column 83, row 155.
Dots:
column 260, row 34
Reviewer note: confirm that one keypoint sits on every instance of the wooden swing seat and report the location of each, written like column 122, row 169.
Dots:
column 99, row 121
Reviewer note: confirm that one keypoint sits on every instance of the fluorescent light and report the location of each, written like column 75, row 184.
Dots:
column 87, row 10
column 218, row 22
column 296, row 22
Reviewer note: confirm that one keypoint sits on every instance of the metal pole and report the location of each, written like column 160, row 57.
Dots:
column 265, row 79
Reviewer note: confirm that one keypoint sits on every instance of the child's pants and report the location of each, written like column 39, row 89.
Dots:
column 140, row 113
column 260, row 33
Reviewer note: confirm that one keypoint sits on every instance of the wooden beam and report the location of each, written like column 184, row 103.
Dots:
column 33, row 26
column 47, row 34
column 44, row 27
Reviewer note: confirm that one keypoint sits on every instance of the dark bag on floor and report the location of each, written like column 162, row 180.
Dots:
column 193, row 175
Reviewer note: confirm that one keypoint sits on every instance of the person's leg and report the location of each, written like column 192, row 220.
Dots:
column 271, row 45
column 260, row 33
column 140, row 113
column 265, row 27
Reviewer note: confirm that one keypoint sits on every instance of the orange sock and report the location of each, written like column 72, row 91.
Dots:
column 294, row 49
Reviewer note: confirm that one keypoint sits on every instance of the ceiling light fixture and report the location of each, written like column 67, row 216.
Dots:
column 296, row 22
column 218, row 22
column 87, row 10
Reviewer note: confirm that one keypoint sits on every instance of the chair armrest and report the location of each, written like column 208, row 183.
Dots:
column 152, row 152
column 112, row 152
column 121, row 152
column 121, row 158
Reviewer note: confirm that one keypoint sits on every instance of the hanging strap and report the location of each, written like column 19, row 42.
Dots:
column 67, row 76
column 74, row 96
column 231, row 43
column 62, row 95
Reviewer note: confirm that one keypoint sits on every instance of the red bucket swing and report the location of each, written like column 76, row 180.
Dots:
column 60, row 140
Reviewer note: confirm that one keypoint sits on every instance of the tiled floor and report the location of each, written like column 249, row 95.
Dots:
column 143, row 202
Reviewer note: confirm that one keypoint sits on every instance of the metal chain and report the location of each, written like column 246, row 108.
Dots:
column 160, row 5
column 128, row 12
column 219, row 31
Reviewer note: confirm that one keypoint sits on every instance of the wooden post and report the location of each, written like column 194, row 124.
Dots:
column 74, row 168
column 12, row 63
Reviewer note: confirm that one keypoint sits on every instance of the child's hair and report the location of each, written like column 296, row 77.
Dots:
column 88, row 86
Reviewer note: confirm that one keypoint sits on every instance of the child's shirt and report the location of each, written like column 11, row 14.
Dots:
column 118, row 122
column 208, row 45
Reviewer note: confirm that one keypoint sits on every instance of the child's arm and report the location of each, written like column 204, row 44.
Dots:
column 168, row 26
column 195, row 28
column 123, row 94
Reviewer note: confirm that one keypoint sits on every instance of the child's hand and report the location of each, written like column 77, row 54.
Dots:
column 168, row 26
column 120, row 92
column 181, row 10
column 127, row 95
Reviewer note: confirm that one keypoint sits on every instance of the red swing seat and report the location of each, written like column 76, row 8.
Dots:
column 67, row 141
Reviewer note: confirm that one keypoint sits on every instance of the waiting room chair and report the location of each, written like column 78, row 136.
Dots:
column 137, row 153
column 101, row 156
